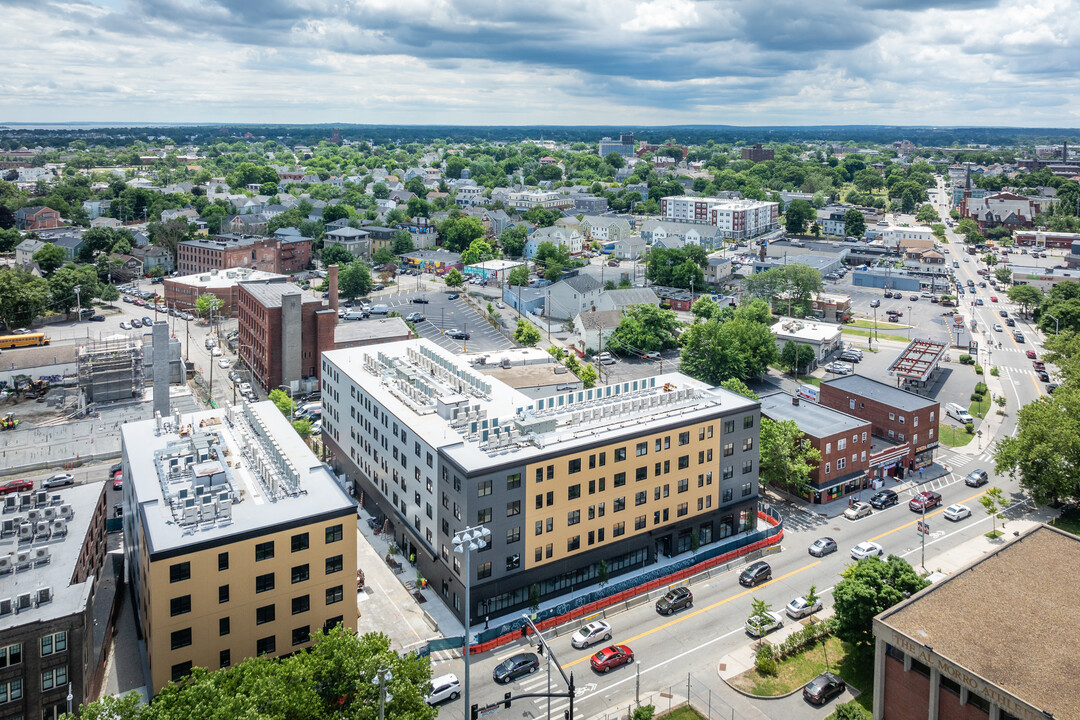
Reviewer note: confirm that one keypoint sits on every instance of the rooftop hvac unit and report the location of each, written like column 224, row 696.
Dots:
column 6, row 565
column 26, row 532
column 41, row 530
column 5, row 607
column 59, row 528
column 33, row 516
column 21, row 559
column 41, row 498
column 190, row 516
column 24, row 501
column 224, row 511
column 55, row 499
column 22, row 602
column 11, row 503
column 66, row 512
column 43, row 596
column 7, row 527
column 50, row 513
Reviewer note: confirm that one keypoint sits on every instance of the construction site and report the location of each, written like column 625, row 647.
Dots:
column 111, row 370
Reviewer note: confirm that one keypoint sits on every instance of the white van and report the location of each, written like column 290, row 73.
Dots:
column 380, row 309
column 958, row 413
column 355, row 315
column 308, row 409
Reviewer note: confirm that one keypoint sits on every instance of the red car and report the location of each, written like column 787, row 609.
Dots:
column 611, row 657
column 1031, row 354
column 118, row 482
column 16, row 486
column 993, row 298
column 1039, row 365
column 924, row 501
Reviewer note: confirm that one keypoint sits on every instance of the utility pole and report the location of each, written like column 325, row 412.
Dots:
column 547, row 312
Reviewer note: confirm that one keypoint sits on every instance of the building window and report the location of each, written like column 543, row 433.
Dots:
column 681, row 510
column 483, row 488
column 300, row 573
column 748, row 422
column 181, row 671
column 684, row 485
column 334, row 595
column 224, row 659
column 264, row 583
column 642, row 448
column 264, row 614
column 729, row 449
column 334, row 565
column 639, row 522
column 223, row 626
column 640, row 498
column 573, row 492
column 892, row 416
column 513, row 535
column 620, row 454
column 332, row 623
column 513, row 482
column 538, row 555
column 300, row 604
column 180, row 605
column 746, row 487
column 573, row 517
column 574, row 466
column 333, row 534
column 180, row 572
column 841, row 463
column 301, row 635
column 12, row 654
column 483, row 570
column 223, row 561
column 902, row 418
column 841, row 444
column 549, row 550
column 642, row 474
column 620, row 479
column 483, row 516
column 264, row 551
column 299, row 542
column 49, row 644
column 747, row 466
column 684, row 438
column 266, row 645
column 180, row 638
column 573, row 543
column 828, row 468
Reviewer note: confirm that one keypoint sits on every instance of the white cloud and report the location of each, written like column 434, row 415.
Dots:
column 662, row 15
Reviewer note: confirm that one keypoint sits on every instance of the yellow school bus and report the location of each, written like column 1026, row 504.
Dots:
column 25, row 340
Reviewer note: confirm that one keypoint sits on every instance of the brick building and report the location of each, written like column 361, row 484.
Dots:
column 37, row 217
column 843, row 441
column 283, row 330
column 183, row 292
column 228, row 251
column 904, row 425
column 757, row 153
column 989, row 642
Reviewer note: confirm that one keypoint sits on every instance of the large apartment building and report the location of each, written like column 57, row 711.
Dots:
column 736, row 219
column 227, row 251
column 564, row 479
column 238, row 541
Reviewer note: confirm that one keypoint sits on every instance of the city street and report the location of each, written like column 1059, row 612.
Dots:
column 444, row 314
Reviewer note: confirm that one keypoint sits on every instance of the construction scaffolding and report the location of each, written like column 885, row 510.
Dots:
column 111, row 370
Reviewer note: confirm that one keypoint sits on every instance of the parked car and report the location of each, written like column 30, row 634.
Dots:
column 762, row 625
column 125, row 326
column 822, row 546
column 755, row 574
column 591, row 633
column 58, row 480
column 875, row 303
column 452, row 296
column 21, row 485
column 957, row 512
column 884, row 498
column 420, row 301
column 118, row 482
column 824, row 687
column 223, row 363
column 611, row 657
column 858, row 510
column 458, row 334
column 97, row 318
column 516, row 666
column 415, row 317
column 652, row 355
column 800, row 607
column 675, row 599
column 147, row 321
column 444, row 687
column 215, row 352
column 1051, row 387
column 924, row 501
column 865, row 550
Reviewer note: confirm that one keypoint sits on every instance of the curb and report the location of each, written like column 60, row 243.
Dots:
column 751, row 695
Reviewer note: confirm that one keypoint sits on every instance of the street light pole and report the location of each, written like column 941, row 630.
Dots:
column 466, row 542
column 1057, row 326
column 383, row 676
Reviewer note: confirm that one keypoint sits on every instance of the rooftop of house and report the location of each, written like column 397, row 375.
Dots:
column 269, row 291
column 223, row 474
column 52, row 558
column 478, row 419
column 813, row 419
column 623, row 297
column 225, row 278
column 600, row 319
column 1017, row 591
column 880, row 392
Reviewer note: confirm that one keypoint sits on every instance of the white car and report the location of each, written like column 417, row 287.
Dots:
column 223, row 364
column 800, row 608
column 865, row 550
column 499, row 304
column 957, row 512
column 858, row 510
column 591, row 633
column 761, row 625
column 216, row 352
column 444, row 687
column 125, row 326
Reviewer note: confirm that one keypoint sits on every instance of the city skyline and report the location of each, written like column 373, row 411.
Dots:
column 661, row 62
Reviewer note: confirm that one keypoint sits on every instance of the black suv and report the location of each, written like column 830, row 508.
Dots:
column 883, row 499
column 675, row 599
column 977, row 478
column 759, row 572
column 824, row 687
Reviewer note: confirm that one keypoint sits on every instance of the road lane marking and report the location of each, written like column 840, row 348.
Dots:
column 920, row 517
column 695, row 613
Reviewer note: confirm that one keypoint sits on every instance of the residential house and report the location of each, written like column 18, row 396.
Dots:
column 495, row 221
column 605, row 228
column 190, row 214
column 24, row 251
column 71, row 244
column 574, row 295
column 589, row 204
column 154, row 257
column 355, row 241
column 96, row 208
column 926, row 260
column 37, row 217
column 717, row 270
column 106, row 222
column 247, row 224
column 337, row 224
column 380, row 238
column 526, row 300
column 1002, row 209
column 469, row 195
column 569, row 239
column 593, row 328
column 629, row 248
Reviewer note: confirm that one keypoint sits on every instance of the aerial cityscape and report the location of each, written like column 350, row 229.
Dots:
column 673, row 359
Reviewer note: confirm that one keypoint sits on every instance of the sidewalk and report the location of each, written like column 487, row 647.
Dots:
column 741, row 659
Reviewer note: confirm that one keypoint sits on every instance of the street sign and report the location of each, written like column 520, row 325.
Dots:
column 923, row 528
column 488, row 710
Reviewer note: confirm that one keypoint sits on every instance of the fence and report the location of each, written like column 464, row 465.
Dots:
column 694, row 692
column 629, row 592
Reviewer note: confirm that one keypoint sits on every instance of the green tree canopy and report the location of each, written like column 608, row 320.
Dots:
column 736, row 385
column 49, row 257
column 796, row 356
column 336, row 255
column 526, row 334
column 854, row 223
column 207, row 304
column 512, row 240
column 786, row 456
column 519, row 276
column 454, row 278
column 644, row 328
column 459, row 230
column 797, row 215
column 1027, row 297
column 1045, row 452
column 870, row 587
column 679, row 267
column 402, row 242
column 478, row 251
column 23, row 296
column 354, row 279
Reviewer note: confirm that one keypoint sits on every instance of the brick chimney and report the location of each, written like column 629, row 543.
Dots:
column 332, row 279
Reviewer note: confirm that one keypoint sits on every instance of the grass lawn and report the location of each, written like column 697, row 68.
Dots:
column 1069, row 521
column 800, row 669
column 953, row 436
column 684, row 713
column 979, row 408
column 868, row 333
column 882, row 324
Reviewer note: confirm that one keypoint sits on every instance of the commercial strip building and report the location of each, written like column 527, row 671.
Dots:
column 563, row 479
column 733, row 218
column 183, row 292
column 52, row 549
column 987, row 642
column 1044, row 239
column 904, row 425
column 843, row 441
column 826, row 339
column 496, row 271
column 1043, row 278
column 238, row 542
column 529, row 199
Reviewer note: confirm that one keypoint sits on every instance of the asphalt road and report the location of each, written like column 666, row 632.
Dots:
column 443, row 314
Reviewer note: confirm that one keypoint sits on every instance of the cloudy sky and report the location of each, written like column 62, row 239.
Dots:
column 588, row 62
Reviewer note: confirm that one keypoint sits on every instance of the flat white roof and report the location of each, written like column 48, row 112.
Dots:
column 495, row 265
column 809, row 330
column 224, row 278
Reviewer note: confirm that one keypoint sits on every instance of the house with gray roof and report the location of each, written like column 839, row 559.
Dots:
column 623, row 298
column 605, row 228
column 24, row 251
column 593, row 328
column 356, row 241
column 574, row 295
column 629, row 248
column 568, row 238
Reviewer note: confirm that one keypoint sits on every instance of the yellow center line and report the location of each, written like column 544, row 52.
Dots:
column 920, row 517
column 680, row 618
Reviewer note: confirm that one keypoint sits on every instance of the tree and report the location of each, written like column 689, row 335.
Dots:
column 787, row 458
column 615, row 160
column 526, row 334
column 385, row 259
column 336, row 255
column 478, row 251
column 109, row 293
column 766, row 284
column 512, row 240
column 710, row 354
column 519, row 276
column 587, row 374
column 459, row 230
column 454, row 279
column 1003, row 275
column 870, row 587
column 63, row 282
column 797, row 215
column 854, row 223
column 302, row 428
column 1026, row 296
column 736, row 385
column 645, row 328
column 705, row 308
column 759, row 612
column 23, row 296
column 402, row 242
column 169, row 235
column 1045, row 452
column 602, row 573
column 380, row 191
column 207, row 304
column 927, row 214
column 282, row 401
column 796, row 355
column 49, row 257
column 811, row 596
column 355, row 279
column 994, row 502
